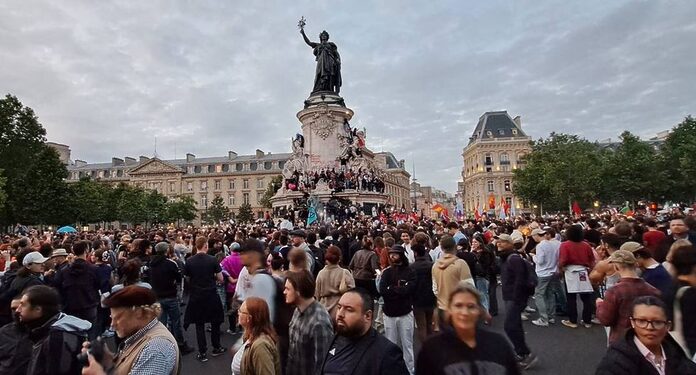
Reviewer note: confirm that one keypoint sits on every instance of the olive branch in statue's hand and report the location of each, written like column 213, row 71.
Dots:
column 301, row 23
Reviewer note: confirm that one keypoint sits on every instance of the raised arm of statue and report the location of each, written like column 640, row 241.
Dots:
column 309, row 42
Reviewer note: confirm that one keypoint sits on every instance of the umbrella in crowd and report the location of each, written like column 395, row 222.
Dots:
column 66, row 229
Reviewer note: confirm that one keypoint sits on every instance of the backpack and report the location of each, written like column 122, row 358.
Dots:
column 283, row 311
column 531, row 279
column 318, row 254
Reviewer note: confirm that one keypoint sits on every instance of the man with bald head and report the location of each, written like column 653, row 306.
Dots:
column 358, row 348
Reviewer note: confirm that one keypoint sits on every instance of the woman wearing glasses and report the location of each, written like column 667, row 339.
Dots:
column 646, row 348
column 259, row 353
column 463, row 346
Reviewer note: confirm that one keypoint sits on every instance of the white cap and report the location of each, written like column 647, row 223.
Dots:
column 33, row 257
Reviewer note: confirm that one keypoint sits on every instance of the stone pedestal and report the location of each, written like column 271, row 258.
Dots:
column 327, row 146
column 323, row 128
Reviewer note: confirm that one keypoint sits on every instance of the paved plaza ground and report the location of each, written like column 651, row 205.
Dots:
column 561, row 350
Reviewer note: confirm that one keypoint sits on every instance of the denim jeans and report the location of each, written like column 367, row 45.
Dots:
column 482, row 287
column 399, row 330
column 513, row 326
column 545, row 297
column 171, row 318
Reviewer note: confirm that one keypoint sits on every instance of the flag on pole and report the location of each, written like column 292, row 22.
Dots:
column 512, row 208
column 477, row 214
column 502, row 215
column 438, row 208
column 576, row 209
column 312, row 211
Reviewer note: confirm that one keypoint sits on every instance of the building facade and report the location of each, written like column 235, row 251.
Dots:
column 238, row 179
column 494, row 151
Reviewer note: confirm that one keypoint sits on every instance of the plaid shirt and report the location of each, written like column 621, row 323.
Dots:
column 157, row 357
column 311, row 333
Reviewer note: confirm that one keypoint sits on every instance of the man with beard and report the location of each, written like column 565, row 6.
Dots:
column 15, row 346
column 357, row 348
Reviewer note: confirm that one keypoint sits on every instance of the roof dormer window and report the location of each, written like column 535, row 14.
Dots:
column 489, row 133
column 514, row 131
column 501, row 132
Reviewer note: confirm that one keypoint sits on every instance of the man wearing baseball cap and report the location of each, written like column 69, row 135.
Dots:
column 27, row 276
column 615, row 310
column 513, row 277
column 653, row 272
column 546, row 267
column 148, row 345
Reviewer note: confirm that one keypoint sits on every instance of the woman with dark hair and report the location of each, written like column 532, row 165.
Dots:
column 576, row 260
column 364, row 265
column 258, row 355
column 332, row 281
column 461, row 346
column 683, row 297
column 647, row 347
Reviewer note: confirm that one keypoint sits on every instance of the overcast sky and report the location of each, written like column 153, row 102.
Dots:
column 205, row 77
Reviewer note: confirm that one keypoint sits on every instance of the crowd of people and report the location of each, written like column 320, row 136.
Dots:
column 363, row 297
column 343, row 179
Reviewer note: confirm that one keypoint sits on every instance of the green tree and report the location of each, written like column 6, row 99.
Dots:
column 155, row 207
column 217, row 210
column 131, row 205
column 21, row 140
column 632, row 172
column 88, row 201
column 271, row 190
column 560, row 169
column 245, row 214
column 44, row 197
column 3, row 195
column 183, row 208
column 678, row 156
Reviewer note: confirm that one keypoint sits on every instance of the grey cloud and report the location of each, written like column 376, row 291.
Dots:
column 208, row 77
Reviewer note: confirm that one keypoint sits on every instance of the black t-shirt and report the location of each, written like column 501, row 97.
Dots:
column 201, row 268
column 340, row 357
column 445, row 353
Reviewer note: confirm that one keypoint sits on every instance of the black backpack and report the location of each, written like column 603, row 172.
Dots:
column 531, row 279
column 283, row 311
column 318, row 254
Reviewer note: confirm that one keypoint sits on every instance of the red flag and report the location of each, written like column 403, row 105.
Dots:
column 576, row 209
column 477, row 215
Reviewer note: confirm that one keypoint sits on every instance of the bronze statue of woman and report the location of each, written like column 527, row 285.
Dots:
column 328, row 74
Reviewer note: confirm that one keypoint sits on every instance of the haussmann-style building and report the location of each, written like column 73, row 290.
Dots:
column 238, row 179
column 494, row 150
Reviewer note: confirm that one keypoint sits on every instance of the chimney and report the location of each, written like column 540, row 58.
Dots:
column 231, row 155
column 80, row 163
column 259, row 153
column 402, row 163
column 116, row 161
column 518, row 121
column 190, row 158
column 129, row 160
column 143, row 158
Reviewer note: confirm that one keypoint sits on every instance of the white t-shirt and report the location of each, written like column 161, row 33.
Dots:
column 236, row 365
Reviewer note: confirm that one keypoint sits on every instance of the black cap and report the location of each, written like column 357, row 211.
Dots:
column 298, row 233
column 252, row 245
column 397, row 249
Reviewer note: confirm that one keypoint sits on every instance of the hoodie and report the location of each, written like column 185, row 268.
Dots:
column 164, row 276
column 448, row 271
column 397, row 285
column 79, row 288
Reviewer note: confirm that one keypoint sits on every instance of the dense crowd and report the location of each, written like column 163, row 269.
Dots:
column 349, row 298
column 343, row 179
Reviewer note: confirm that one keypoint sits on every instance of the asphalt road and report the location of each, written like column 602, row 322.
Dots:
column 561, row 350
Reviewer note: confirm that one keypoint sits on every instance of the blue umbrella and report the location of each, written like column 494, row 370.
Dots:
column 66, row 229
